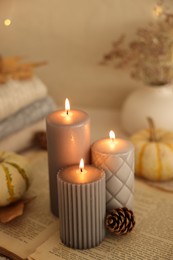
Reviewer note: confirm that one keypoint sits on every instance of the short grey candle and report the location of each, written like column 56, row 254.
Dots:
column 68, row 140
column 82, row 206
column 116, row 157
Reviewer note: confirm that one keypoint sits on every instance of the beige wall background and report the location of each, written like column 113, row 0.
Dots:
column 73, row 36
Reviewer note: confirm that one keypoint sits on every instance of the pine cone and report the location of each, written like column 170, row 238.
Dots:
column 120, row 221
column 40, row 139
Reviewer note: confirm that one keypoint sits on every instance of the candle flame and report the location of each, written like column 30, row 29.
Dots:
column 81, row 165
column 112, row 135
column 67, row 105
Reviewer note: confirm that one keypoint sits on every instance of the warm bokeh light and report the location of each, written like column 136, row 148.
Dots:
column 112, row 135
column 67, row 105
column 7, row 22
column 157, row 11
column 81, row 165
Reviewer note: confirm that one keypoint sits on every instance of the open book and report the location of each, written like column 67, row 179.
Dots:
column 35, row 235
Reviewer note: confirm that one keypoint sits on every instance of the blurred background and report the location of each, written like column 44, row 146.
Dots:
column 73, row 36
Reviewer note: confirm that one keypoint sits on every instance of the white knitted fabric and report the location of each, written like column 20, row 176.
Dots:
column 16, row 94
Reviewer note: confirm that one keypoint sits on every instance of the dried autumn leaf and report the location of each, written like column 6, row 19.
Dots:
column 32, row 65
column 3, row 78
column 11, row 67
column 9, row 64
column 22, row 74
column 13, row 211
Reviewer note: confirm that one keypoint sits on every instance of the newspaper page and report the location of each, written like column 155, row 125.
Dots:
column 152, row 237
column 22, row 236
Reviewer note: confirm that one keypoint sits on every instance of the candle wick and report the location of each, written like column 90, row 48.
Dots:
column 81, row 170
column 67, row 112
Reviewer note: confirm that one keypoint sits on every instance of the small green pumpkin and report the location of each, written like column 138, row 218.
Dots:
column 14, row 177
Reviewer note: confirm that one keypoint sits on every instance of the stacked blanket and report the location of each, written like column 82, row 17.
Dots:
column 24, row 106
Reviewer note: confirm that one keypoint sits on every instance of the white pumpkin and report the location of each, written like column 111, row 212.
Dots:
column 153, row 153
column 14, row 177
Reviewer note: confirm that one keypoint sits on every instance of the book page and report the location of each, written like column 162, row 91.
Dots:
column 152, row 237
column 24, row 234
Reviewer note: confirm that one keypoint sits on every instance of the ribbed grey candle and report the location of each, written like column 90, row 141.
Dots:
column 68, row 140
column 82, row 206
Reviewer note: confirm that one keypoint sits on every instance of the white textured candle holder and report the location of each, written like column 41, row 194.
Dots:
column 119, row 170
column 82, row 209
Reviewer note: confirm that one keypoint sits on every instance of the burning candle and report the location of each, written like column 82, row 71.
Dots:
column 68, row 139
column 82, row 206
column 116, row 157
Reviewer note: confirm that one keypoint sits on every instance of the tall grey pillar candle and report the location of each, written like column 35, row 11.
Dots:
column 68, row 140
column 116, row 157
column 82, row 206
